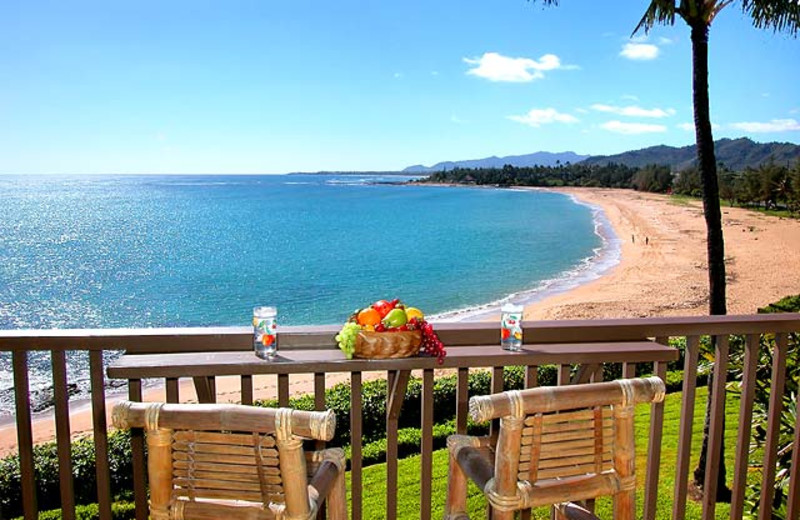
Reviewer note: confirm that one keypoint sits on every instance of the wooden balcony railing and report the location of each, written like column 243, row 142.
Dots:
column 153, row 341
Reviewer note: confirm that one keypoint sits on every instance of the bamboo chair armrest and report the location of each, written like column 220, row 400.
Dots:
column 477, row 463
column 329, row 464
column 572, row 511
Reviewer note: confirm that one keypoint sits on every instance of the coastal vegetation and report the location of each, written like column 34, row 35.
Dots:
column 770, row 186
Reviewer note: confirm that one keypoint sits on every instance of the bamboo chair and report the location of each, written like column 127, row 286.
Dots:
column 237, row 462
column 555, row 445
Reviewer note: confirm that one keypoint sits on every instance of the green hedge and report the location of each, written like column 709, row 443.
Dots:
column 45, row 459
column 119, row 511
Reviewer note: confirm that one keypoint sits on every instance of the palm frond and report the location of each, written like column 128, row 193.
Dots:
column 658, row 12
column 778, row 15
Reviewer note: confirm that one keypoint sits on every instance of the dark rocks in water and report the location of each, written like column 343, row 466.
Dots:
column 44, row 398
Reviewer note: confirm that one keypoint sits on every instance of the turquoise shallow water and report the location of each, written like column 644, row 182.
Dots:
column 153, row 251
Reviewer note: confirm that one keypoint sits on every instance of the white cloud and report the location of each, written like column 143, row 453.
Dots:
column 496, row 67
column 689, row 127
column 398, row 74
column 634, row 111
column 632, row 128
column 543, row 116
column 434, row 73
column 581, row 110
column 665, row 41
column 639, row 51
column 629, row 97
column 775, row 125
column 457, row 120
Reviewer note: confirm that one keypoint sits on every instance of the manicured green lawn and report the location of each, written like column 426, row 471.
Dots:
column 409, row 469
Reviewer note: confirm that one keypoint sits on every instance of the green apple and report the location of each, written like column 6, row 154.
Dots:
column 395, row 318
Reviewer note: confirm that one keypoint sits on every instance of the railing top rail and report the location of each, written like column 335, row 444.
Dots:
column 321, row 336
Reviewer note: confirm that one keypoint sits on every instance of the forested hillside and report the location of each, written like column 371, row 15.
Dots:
column 736, row 154
column 769, row 186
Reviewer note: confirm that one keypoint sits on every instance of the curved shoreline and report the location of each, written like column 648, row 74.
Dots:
column 602, row 260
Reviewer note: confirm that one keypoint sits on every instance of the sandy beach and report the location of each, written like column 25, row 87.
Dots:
column 662, row 272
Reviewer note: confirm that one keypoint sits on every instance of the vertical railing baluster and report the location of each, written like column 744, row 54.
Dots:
column 716, row 428
column 628, row 370
column 531, row 381
column 173, row 392
column 63, row 434
column 531, row 376
column 283, row 390
column 497, row 387
column 247, row 389
column 563, row 374
column 687, row 420
column 212, row 388
column 462, row 400
column 319, row 398
column 355, row 445
column 773, row 426
column 396, row 392
column 426, row 456
column 100, row 427
column 137, row 454
column 654, row 444
column 494, row 427
column 793, row 505
column 742, row 448
column 24, row 434
column 319, row 405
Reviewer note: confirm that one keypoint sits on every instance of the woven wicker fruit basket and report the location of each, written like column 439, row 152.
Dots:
column 387, row 345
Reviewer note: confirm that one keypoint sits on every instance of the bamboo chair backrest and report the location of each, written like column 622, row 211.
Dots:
column 225, row 452
column 565, row 443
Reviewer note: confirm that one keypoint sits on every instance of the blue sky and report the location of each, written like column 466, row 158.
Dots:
column 279, row 86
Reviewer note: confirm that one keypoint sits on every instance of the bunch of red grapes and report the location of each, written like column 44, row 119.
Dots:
column 431, row 344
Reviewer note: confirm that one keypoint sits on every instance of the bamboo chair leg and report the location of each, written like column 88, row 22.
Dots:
column 456, row 506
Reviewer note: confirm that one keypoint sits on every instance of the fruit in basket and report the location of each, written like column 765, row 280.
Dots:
column 347, row 338
column 413, row 312
column 368, row 316
column 383, row 307
column 395, row 318
column 363, row 334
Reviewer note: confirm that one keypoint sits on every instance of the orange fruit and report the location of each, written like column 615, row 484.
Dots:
column 369, row 316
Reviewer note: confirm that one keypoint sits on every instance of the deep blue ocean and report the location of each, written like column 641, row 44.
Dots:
column 161, row 251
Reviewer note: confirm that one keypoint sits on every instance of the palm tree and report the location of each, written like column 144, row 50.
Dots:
column 698, row 15
column 778, row 15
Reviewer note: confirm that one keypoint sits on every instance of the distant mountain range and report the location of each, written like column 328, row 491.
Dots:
column 531, row 159
column 736, row 154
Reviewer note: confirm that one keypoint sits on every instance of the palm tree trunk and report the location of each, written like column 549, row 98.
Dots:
column 707, row 164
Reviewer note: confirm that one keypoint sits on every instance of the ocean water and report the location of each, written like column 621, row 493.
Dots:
column 161, row 251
